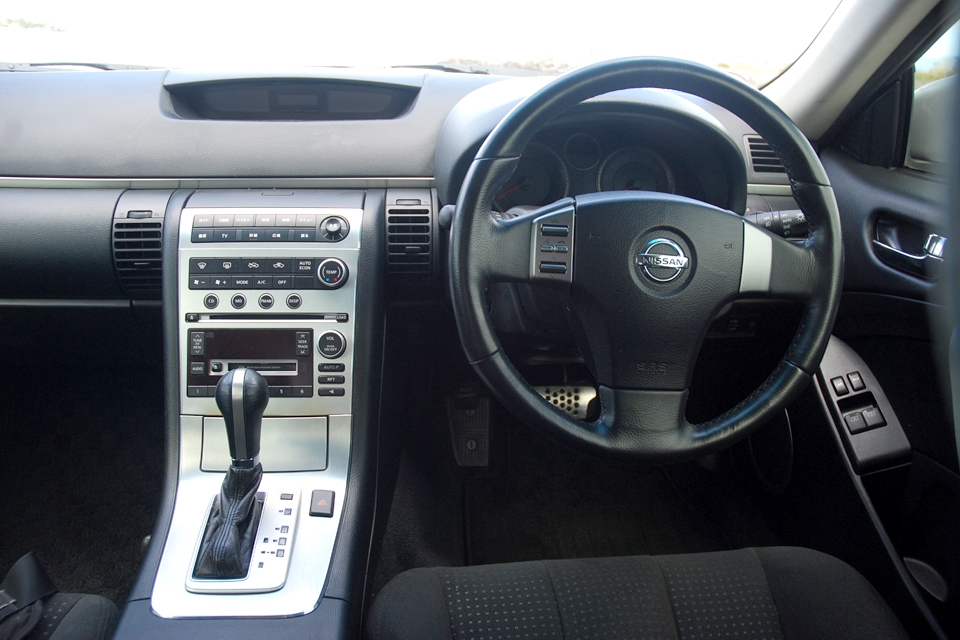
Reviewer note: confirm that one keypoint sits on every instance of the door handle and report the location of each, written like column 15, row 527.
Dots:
column 927, row 265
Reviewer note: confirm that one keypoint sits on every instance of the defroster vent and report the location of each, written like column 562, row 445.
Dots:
column 409, row 229
column 763, row 158
column 137, row 256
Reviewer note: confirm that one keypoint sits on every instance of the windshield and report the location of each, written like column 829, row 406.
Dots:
column 754, row 39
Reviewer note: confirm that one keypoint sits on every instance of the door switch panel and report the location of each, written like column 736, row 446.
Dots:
column 867, row 424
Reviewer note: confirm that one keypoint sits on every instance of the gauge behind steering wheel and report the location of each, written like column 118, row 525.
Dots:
column 644, row 274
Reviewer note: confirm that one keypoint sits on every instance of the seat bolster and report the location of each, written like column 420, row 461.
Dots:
column 819, row 596
column 75, row 616
column 411, row 606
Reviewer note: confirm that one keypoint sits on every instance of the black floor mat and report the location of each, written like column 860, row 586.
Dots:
column 590, row 511
column 81, row 459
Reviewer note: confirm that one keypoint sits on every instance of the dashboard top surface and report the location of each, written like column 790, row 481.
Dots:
column 127, row 125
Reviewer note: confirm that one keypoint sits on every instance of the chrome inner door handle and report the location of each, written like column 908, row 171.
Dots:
column 927, row 265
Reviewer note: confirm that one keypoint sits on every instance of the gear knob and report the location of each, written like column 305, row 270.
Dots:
column 242, row 397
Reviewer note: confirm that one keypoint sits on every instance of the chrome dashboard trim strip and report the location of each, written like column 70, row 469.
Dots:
column 41, row 302
column 422, row 182
column 26, row 182
column 769, row 190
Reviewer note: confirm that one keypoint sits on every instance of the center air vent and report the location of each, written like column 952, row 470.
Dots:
column 409, row 229
column 137, row 256
column 763, row 158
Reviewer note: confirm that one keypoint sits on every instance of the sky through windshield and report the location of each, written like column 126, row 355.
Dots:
column 753, row 38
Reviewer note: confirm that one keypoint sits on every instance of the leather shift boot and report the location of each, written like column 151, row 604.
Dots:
column 232, row 528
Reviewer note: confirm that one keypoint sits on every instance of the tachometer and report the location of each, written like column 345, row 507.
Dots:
column 634, row 169
column 540, row 178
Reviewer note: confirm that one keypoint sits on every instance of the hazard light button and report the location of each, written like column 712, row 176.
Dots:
column 321, row 503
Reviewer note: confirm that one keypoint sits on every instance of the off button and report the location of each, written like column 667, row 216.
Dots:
column 331, row 344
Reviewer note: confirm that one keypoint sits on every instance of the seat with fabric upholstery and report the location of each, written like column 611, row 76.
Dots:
column 775, row 592
column 75, row 616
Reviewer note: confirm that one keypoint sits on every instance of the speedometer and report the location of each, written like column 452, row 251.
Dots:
column 635, row 169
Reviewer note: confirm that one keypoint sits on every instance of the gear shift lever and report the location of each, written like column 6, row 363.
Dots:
column 228, row 539
column 242, row 397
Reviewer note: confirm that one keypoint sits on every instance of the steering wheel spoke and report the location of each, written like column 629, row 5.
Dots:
column 777, row 267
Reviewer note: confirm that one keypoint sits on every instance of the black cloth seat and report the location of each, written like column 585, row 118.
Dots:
column 776, row 592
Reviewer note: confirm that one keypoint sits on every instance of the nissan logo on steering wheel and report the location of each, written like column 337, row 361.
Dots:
column 662, row 260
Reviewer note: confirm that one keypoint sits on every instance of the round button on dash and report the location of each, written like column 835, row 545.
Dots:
column 239, row 301
column 332, row 273
column 294, row 301
column 331, row 344
column 266, row 301
column 211, row 301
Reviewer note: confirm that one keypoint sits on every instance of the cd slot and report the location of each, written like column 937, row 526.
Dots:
column 263, row 367
column 328, row 317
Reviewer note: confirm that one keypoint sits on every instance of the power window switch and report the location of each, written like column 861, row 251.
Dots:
column 840, row 386
column 855, row 422
column 856, row 381
column 321, row 503
column 873, row 418
column 558, row 268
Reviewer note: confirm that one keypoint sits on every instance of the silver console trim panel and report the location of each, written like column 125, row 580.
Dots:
column 314, row 301
column 309, row 562
column 272, row 550
column 286, row 444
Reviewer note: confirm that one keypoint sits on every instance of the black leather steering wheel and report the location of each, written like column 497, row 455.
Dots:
column 644, row 274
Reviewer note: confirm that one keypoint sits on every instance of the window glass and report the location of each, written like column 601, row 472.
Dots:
column 933, row 111
column 940, row 60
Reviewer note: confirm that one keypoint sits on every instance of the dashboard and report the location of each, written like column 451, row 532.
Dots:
column 276, row 239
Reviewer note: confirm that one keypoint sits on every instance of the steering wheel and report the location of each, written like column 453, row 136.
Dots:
column 644, row 274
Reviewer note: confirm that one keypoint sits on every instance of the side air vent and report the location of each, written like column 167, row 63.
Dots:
column 409, row 229
column 137, row 255
column 763, row 159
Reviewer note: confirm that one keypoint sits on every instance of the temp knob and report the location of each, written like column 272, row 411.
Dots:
column 332, row 273
column 331, row 344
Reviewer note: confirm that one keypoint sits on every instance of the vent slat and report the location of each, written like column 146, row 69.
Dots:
column 763, row 158
column 137, row 257
column 408, row 240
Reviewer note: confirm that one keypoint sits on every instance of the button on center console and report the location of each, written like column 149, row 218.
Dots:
column 331, row 344
column 332, row 273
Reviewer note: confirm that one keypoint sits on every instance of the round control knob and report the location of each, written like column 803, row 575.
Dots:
column 331, row 344
column 332, row 273
column 334, row 229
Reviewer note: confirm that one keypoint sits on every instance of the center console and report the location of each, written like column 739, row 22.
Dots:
column 266, row 281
